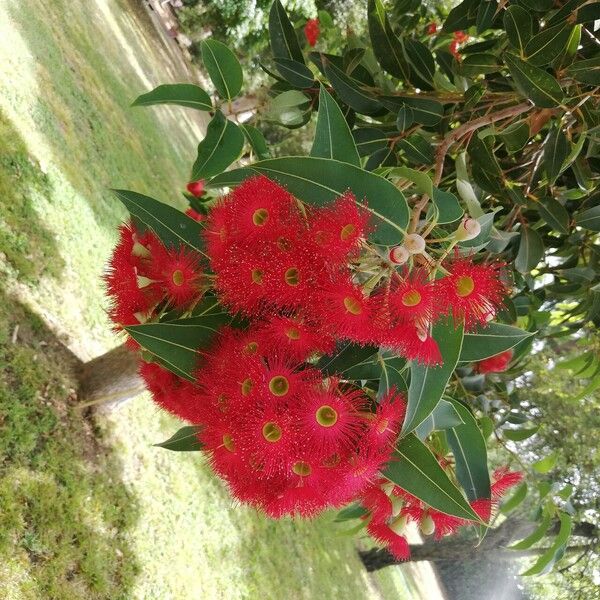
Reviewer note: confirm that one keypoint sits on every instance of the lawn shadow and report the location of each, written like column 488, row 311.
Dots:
column 66, row 512
column 25, row 241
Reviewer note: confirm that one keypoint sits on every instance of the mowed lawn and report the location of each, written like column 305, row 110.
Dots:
column 88, row 507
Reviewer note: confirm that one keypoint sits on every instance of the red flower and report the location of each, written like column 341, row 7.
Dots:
column 460, row 36
column 414, row 299
column 395, row 543
column 190, row 212
column 432, row 28
column 495, row 364
column 196, row 188
column 312, row 31
column 503, row 480
column 454, row 49
column 385, row 424
column 377, row 502
column 474, row 293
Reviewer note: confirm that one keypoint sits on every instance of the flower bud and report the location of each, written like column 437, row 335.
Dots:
column 196, row 188
column 427, row 525
column 467, row 230
column 397, row 504
column 398, row 525
column 414, row 243
column 399, row 255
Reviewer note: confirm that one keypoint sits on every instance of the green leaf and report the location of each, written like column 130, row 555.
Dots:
column 170, row 225
column 332, row 136
column 369, row 140
column 415, row 469
column 353, row 361
column 518, row 496
column 556, row 150
column 534, row 83
column 350, row 91
column 592, row 386
column 485, row 15
column 422, row 64
column 546, row 464
column 184, row 440
column 386, row 46
column 589, row 219
column 556, row 551
column 518, row 435
column 427, row 384
column 223, row 68
column 354, row 511
column 256, row 140
column 459, row 17
column 519, row 27
column 535, row 536
column 491, row 340
column 284, row 42
column 405, row 118
column 391, row 375
column 319, row 181
column 427, row 111
column 470, row 455
column 296, row 73
column 290, row 108
column 421, row 180
column 555, row 214
column 544, row 47
column 447, row 206
column 479, row 64
column 182, row 94
column 531, row 250
column 177, row 344
column 586, row 71
column 588, row 13
column 515, row 136
column 417, row 149
column 444, row 416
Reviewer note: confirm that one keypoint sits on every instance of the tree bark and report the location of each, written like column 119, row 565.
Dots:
column 111, row 378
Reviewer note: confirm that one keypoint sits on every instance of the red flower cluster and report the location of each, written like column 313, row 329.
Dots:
column 495, row 364
column 460, row 37
column 142, row 275
column 272, row 255
column 286, row 440
column 391, row 509
column 312, row 31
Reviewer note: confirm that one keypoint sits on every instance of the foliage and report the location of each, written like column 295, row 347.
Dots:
column 501, row 129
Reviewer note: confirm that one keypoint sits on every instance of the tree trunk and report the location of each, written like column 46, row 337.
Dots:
column 111, row 378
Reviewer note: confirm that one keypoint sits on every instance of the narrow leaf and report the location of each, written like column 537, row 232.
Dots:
column 183, row 440
column 182, row 94
column 296, row 73
column 444, row 416
column 547, row 560
column 491, row 340
column 518, row 496
column 535, row 536
column 223, row 68
column 531, row 250
column 534, row 83
column 284, row 42
column 350, row 91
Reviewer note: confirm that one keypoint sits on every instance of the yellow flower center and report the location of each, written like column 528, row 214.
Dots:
column 301, row 468
column 292, row 276
column 352, row 305
column 178, row 277
column 247, row 386
column 271, row 432
column 347, row 232
column 257, row 276
column 293, row 333
column 464, row 286
column 279, row 386
column 228, row 443
column 251, row 348
column 411, row 298
column 326, row 416
column 260, row 217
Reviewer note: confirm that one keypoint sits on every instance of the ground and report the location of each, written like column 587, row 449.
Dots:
column 90, row 509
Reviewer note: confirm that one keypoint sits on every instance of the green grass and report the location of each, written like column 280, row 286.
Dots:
column 89, row 508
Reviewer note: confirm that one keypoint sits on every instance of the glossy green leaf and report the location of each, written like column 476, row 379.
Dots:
column 392, row 374
column 319, row 181
column 352, row 361
column 491, row 340
column 517, row 498
column 556, row 150
column 515, row 136
column 223, row 68
column 588, row 13
column 470, row 455
column 589, row 219
column 171, row 226
column 545, row 46
column 422, row 181
column 415, row 469
column 555, row 214
column 386, row 46
column 427, row 384
column 284, row 42
column 354, row 511
column 177, row 344
column 546, row 464
column 556, row 551
column 256, row 140
column 519, row 27
column 332, row 136
column 296, row 73
column 534, row 83
column 405, row 118
column 586, row 71
column 444, row 416
column 535, row 536
column 369, row 140
column 531, row 250
column 350, row 90
column 479, row 64
column 459, row 18
column 447, row 206
column 485, row 15
column 421, row 62
column 182, row 94
column 427, row 111
column 222, row 145
column 417, row 149
column 518, row 435
column 184, row 440
column 290, row 108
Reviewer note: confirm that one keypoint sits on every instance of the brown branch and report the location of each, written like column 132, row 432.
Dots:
column 469, row 127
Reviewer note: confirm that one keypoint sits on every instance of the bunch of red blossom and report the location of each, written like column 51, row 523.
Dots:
column 312, row 31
